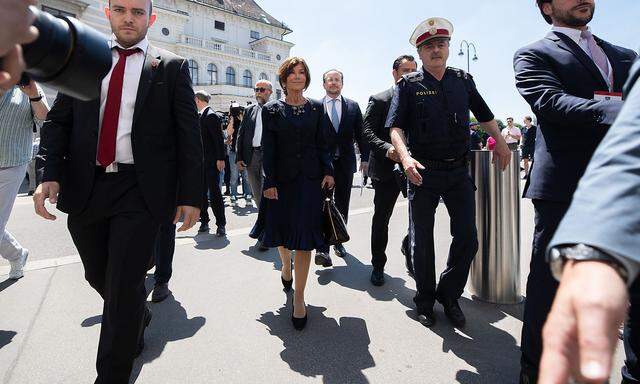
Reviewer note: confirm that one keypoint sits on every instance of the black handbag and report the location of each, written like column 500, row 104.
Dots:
column 334, row 226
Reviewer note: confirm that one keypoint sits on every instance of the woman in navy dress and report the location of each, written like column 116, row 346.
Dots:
column 297, row 167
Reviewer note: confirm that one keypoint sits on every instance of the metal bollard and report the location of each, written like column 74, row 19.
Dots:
column 495, row 272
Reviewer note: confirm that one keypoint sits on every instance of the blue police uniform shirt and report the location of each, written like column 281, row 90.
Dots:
column 434, row 114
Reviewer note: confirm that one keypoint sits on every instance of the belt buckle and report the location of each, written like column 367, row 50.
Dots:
column 112, row 168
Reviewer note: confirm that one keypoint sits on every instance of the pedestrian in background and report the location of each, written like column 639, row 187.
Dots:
column 20, row 108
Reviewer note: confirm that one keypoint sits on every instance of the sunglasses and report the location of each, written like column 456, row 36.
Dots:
column 261, row 90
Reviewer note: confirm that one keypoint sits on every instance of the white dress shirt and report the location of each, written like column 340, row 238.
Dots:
column 257, row 133
column 328, row 106
column 576, row 36
column 132, row 73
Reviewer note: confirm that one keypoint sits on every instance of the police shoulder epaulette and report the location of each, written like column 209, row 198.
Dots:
column 413, row 77
column 460, row 73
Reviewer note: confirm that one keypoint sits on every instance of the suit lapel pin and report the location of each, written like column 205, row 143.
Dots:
column 155, row 63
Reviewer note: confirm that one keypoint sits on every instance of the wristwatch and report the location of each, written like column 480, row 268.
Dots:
column 581, row 252
column 36, row 99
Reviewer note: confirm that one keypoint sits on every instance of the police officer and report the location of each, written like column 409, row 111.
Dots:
column 431, row 109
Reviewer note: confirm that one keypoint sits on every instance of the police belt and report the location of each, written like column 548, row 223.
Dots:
column 446, row 164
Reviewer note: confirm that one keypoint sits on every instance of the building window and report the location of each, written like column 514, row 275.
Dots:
column 247, row 79
column 231, row 76
column 193, row 71
column 255, row 35
column 278, row 94
column 57, row 12
column 165, row 31
column 263, row 76
column 278, row 57
column 212, row 70
column 219, row 25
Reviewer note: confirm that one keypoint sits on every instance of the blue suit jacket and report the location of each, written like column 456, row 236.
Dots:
column 350, row 130
column 604, row 210
column 558, row 80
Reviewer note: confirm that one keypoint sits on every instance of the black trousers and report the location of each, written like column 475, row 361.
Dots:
column 384, row 200
column 541, row 286
column 164, row 249
column 458, row 192
column 341, row 193
column 115, row 236
column 631, row 368
column 212, row 177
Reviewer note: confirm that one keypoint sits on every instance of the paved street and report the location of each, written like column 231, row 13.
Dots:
column 228, row 320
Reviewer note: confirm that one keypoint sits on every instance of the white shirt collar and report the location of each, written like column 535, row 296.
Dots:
column 574, row 34
column 327, row 99
column 142, row 44
column 203, row 109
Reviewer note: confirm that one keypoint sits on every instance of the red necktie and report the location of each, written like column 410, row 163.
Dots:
column 109, row 130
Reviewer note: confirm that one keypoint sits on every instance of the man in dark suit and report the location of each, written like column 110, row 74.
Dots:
column 381, row 162
column 562, row 77
column 120, row 166
column 346, row 124
column 602, row 225
column 248, row 144
column 214, row 154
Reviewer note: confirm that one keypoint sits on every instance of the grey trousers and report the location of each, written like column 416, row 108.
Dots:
column 10, row 180
column 254, row 174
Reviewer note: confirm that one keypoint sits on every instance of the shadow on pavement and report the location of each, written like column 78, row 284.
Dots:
column 270, row 256
column 243, row 211
column 6, row 337
column 91, row 321
column 355, row 275
column 6, row 284
column 170, row 323
column 493, row 352
column 336, row 350
column 206, row 241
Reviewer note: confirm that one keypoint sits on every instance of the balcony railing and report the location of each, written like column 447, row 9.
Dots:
column 220, row 47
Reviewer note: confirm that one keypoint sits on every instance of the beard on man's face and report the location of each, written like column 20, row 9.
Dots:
column 572, row 17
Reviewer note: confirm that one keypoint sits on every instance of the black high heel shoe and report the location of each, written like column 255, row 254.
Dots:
column 286, row 284
column 298, row 322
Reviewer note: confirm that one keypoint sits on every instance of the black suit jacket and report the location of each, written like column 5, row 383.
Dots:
column 558, row 80
column 165, row 140
column 289, row 151
column 244, row 142
column 212, row 137
column 350, row 130
column 377, row 136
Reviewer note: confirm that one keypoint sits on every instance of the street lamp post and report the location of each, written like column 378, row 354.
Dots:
column 468, row 46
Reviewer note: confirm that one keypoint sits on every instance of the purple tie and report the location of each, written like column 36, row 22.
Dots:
column 597, row 55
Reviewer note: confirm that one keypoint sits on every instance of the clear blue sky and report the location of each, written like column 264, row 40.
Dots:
column 362, row 38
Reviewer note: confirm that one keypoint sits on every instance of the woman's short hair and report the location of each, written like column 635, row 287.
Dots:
column 286, row 68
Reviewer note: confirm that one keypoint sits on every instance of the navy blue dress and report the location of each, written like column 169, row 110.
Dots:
column 296, row 159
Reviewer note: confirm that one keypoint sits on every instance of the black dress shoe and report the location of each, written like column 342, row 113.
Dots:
column 377, row 277
column 160, row 292
column 287, row 284
column 147, row 320
column 340, row 251
column 298, row 322
column 204, row 227
column 454, row 312
column 426, row 316
column 221, row 231
column 323, row 259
